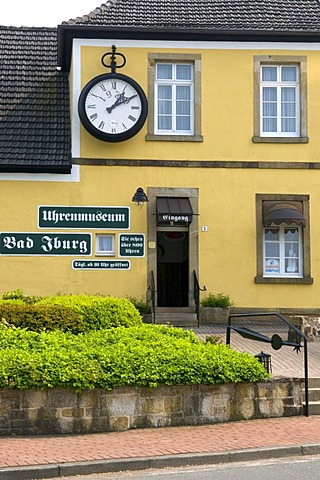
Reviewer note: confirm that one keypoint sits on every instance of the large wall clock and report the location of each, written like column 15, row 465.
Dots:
column 112, row 107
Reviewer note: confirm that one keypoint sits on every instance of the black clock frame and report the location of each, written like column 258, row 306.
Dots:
column 112, row 137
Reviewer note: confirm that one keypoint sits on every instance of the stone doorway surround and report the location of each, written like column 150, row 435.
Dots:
column 193, row 195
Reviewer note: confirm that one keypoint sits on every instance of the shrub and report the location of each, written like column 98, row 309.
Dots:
column 214, row 339
column 220, row 300
column 19, row 295
column 40, row 317
column 145, row 355
column 98, row 312
column 140, row 305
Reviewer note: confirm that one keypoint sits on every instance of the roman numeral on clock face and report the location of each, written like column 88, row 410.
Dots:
column 94, row 116
column 133, row 119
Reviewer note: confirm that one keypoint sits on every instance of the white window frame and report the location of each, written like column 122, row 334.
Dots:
column 105, row 253
column 174, row 83
column 280, row 85
column 282, row 257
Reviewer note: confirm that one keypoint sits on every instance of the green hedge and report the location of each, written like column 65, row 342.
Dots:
column 40, row 317
column 145, row 355
column 99, row 312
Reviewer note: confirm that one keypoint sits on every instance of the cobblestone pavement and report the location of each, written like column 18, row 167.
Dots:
column 285, row 362
column 54, row 456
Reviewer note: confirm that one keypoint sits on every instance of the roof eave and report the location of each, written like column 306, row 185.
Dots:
column 67, row 32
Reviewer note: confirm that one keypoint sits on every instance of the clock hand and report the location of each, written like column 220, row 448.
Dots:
column 127, row 99
column 120, row 100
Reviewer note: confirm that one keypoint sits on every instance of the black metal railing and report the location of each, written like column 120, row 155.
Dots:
column 196, row 294
column 152, row 289
column 294, row 340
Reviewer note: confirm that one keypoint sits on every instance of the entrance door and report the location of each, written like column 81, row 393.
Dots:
column 173, row 268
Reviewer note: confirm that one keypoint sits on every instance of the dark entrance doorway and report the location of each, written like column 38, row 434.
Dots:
column 173, row 268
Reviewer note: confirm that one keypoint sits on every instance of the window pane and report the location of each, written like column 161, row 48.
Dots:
column 183, row 93
column 269, row 74
column 289, row 74
column 292, row 265
column 288, row 109
column 288, row 125
column 183, row 123
column 291, row 234
column 164, row 107
column 183, row 108
column 184, row 72
column 164, row 71
column 105, row 244
column 269, row 125
column 272, row 250
column 269, row 109
column 269, row 94
column 164, row 123
column 165, row 92
column 272, row 265
column 288, row 94
column 272, row 234
column 292, row 250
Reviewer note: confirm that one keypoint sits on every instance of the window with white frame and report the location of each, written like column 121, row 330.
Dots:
column 283, row 239
column 174, row 98
column 105, row 245
column 280, row 99
column 283, row 251
column 280, row 94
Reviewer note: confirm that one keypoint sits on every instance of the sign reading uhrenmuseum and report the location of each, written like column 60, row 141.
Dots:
column 131, row 245
column 101, row 264
column 45, row 243
column 114, row 218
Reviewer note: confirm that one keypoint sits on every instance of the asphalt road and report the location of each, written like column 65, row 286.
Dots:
column 286, row 469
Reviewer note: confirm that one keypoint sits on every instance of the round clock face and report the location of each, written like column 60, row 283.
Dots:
column 112, row 107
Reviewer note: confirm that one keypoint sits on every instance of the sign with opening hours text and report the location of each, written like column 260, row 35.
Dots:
column 101, row 264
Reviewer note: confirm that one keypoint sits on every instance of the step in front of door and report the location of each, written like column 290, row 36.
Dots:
column 178, row 317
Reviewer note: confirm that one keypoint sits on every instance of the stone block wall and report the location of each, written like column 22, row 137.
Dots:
column 308, row 324
column 64, row 411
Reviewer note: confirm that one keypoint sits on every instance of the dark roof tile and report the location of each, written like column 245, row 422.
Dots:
column 34, row 102
column 277, row 15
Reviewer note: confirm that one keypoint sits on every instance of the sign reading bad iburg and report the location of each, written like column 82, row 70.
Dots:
column 45, row 243
column 83, row 217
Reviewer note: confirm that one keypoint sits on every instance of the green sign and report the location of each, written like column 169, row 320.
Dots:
column 45, row 243
column 114, row 218
column 101, row 264
column 131, row 245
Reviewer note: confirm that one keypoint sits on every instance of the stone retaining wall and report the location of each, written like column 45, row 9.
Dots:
column 308, row 324
column 63, row 411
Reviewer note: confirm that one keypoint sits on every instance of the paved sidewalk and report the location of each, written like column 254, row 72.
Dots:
column 23, row 458
column 26, row 458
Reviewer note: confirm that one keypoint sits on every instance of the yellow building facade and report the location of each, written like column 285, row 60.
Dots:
column 233, row 197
